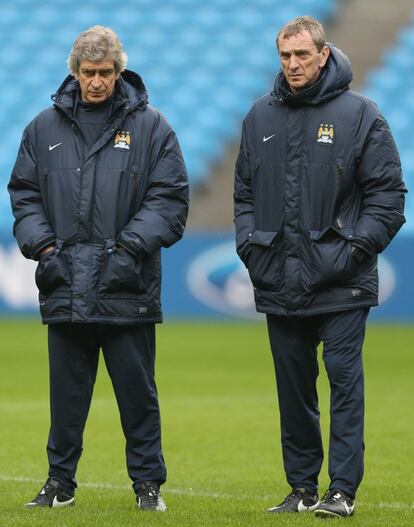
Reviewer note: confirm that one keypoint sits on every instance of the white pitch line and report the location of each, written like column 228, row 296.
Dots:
column 169, row 490
column 217, row 495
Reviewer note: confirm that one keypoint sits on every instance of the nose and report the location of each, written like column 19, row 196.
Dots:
column 293, row 62
column 97, row 80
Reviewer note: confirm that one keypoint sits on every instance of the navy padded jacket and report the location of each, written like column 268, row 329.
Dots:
column 317, row 173
column 108, row 210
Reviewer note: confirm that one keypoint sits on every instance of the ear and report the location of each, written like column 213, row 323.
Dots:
column 76, row 75
column 324, row 56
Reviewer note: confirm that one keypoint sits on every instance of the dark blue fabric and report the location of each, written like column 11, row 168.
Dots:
column 318, row 172
column 91, row 118
column 294, row 344
column 129, row 354
column 130, row 190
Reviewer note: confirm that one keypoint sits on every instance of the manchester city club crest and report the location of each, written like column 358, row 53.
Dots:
column 122, row 140
column 326, row 134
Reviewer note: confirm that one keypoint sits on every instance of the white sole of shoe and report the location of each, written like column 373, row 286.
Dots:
column 321, row 513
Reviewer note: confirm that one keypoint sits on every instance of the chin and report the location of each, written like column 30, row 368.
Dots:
column 96, row 100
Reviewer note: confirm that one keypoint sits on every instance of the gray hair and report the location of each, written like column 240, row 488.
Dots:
column 97, row 43
column 304, row 23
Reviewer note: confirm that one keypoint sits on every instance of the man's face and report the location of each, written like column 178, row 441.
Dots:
column 301, row 61
column 97, row 80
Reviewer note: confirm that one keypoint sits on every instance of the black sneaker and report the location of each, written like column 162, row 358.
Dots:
column 299, row 500
column 149, row 497
column 52, row 495
column 335, row 504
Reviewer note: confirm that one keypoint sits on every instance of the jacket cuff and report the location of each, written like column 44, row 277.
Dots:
column 133, row 249
column 38, row 248
column 364, row 244
column 359, row 254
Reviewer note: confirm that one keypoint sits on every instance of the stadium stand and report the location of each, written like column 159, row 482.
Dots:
column 391, row 86
column 203, row 63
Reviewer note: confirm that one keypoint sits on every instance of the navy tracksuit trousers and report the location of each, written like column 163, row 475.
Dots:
column 129, row 354
column 294, row 344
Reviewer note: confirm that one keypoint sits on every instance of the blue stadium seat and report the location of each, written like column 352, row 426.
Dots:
column 392, row 87
column 204, row 63
column 9, row 17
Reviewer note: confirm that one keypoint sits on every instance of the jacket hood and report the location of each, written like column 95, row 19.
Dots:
column 129, row 90
column 333, row 80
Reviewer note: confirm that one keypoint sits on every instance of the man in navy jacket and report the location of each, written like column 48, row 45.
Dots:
column 99, row 186
column 318, row 194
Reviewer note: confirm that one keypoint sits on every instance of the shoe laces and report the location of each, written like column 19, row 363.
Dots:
column 332, row 496
column 50, row 485
column 152, row 492
column 294, row 494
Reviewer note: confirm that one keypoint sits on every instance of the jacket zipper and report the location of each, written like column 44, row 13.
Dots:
column 339, row 169
column 339, row 177
column 254, row 179
column 45, row 200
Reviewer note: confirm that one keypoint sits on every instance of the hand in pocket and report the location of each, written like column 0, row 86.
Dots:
column 121, row 272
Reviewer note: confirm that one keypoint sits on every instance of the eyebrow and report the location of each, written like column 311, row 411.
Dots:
column 100, row 71
column 294, row 52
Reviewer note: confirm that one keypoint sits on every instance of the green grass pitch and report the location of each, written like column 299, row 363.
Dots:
column 220, row 432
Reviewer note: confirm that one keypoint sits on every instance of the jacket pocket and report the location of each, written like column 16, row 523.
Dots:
column 52, row 270
column 262, row 262
column 121, row 273
column 332, row 263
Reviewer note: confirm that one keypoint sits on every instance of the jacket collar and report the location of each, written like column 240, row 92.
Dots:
column 334, row 79
column 130, row 94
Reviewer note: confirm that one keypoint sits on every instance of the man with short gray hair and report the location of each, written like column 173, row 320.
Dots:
column 318, row 194
column 98, row 187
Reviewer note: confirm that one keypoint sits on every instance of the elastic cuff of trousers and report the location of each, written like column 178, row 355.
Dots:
column 308, row 488
column 138, row 482
column 63, row 483
column 351, row 494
